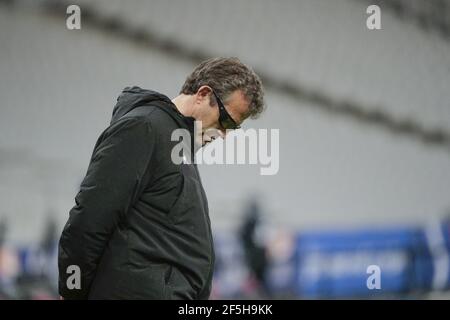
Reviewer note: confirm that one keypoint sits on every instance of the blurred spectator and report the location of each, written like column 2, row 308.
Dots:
column 9, row 265
column 254, row 250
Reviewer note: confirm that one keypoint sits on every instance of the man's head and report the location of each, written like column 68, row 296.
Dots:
column 222, row 93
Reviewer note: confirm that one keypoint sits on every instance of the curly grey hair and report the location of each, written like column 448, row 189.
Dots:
column 224, row 76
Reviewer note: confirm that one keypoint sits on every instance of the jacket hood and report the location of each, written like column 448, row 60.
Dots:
column 133, row 97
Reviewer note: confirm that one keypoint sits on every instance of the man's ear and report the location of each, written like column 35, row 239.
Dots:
column 204, row 92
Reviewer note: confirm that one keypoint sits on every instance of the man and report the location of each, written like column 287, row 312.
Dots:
column 140, row 228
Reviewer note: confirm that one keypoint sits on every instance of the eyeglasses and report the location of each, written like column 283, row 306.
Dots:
column 225, row 120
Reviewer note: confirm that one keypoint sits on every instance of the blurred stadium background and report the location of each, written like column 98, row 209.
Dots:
column 364, row 119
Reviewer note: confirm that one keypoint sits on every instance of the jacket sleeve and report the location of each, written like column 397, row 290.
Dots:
column 119, row 161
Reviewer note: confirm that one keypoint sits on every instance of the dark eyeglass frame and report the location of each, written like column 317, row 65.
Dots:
column 225, row 119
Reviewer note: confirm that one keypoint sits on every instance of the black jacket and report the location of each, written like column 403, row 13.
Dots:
column 140, row 228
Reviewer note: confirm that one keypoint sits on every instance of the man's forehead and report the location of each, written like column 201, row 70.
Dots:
column 237, row 105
